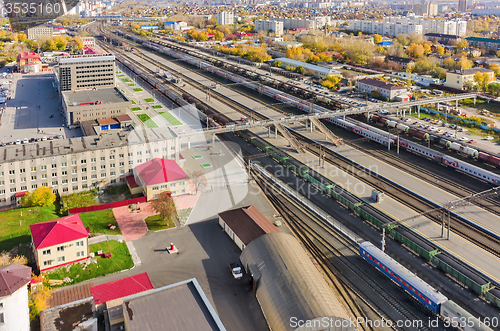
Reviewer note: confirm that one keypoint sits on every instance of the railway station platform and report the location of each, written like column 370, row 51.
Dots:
column 457, row 245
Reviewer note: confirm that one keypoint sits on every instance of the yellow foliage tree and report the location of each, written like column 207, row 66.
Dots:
column 331, row 81
column 482, row 80
column 415, row 50
column 464, row 63
column 377, row 38
column 41, row 196
column 39, row 300
column 6, row 259
column 440, row 50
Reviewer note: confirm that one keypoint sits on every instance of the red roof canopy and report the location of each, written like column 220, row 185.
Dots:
column 28, row 55
column 159, row 171
column 121, row 288
column 59, row 231
column 21, row 194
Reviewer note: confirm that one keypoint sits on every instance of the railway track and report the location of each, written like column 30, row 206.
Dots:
column 323, row 251
column 480, row 238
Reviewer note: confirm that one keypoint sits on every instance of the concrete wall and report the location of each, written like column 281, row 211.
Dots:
column 15, row 311
column 178, row 187
column 71, row 252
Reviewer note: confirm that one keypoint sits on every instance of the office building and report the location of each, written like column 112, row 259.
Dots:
column 462, row 5
column 272, row 26
column 425, row 9
column 78, row 72
column 459, row 78
column 225, row 18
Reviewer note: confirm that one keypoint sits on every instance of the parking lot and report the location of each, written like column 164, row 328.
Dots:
column 33, row 111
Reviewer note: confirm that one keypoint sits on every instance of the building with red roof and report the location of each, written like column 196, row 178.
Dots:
column 120, row 288
column 59, row 242
column 29, row 62
column 14, row 310
column 157, row 176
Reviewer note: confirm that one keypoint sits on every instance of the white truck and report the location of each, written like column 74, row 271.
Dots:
column 236, row 270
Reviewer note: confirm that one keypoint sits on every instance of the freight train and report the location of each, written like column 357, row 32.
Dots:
column 379, row 219
column 452, row 314
column 306, row 106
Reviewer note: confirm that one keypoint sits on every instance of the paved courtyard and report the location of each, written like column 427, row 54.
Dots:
column 132, row 223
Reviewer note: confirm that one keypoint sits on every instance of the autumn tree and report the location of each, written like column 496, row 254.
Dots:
column 6, row 258
column 482, row 80
column 462, row 44
column 331, row 81
column 41, row 196
column 427, row 48
column 498, row 54
column 199, row 179
column 377, row 38
column 449, row 63
column 38, row 300
column 414, row 50
column 164, row 205
column 440, row 50
column 496, row 68
column 375, row 93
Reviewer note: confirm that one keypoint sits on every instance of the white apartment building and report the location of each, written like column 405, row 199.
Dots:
column 274, row 26
column 300, row 23
column 79, row 164
column 397, row 25
column 225, row 18
column 427, row 9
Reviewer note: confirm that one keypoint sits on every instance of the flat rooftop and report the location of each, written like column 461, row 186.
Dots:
column 86, row 58
column 182, row 306
column 67, row 317
column 49, row 148
column 106, row 95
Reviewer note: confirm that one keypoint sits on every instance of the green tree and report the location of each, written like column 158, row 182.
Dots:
column 41, row 196
column 375, row 93
column 440, row 50
column 164, row 205
column 277, row 64
column 494, row 89
column 300, row 70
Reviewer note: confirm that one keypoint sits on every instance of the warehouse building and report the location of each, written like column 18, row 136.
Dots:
column 320, row 72
column 245, row 224
column 288, row 286
column 385, row 89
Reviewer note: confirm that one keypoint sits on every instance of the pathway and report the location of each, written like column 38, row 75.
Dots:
column 132, row 223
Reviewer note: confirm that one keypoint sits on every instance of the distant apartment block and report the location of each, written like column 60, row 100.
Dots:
column 273, row 26
column 40, row 31
column 299, row 23
column 462, row 5
column 397, row 25
column 425, row 9
column 225, row 18
column 79, row 72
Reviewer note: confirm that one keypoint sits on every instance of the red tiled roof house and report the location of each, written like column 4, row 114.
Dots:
column 29, row 62
column 157, row 176
column 59, row 242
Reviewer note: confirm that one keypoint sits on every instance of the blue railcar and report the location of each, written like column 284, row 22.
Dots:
column 416, row 287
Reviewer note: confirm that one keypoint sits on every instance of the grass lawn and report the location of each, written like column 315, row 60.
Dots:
column 131, row 84
column 154, row 223
column 170, row 118
column 82, row 199
column 157, row 106
column 197, row 157
column 149, row 100
column 136, row 108
column 147, row 120
column 120, row 259
column 133, row 102
column 126, row 80
column 137, row 89
column 206, row 165
column 11, row 234
column 98, row 221
column 493, row 107
column 183, row 214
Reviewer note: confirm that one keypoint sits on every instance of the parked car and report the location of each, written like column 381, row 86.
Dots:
column 18, row 142
column 464, row 139
column 489, row 138
column 472, row 141
column 407, row 119
column 236, row 270
column 25, row 141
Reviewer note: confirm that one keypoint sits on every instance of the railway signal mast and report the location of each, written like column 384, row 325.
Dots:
column 446, row 211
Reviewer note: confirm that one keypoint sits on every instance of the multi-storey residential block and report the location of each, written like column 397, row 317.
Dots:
column 79, row 164
column 273, row 26
column 40, row 31
column 299, row 23
column 459, row 78
column 486, row 43
column 225, row 18
column 426, row 9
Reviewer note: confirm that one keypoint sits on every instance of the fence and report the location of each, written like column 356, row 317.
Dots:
column 106, row 206
column 103, row 238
